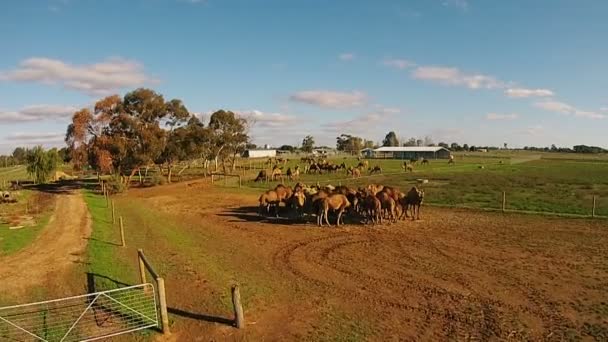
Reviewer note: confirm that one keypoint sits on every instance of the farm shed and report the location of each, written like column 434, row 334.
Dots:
column 412, row 152
column 260, row 154
column 367, row 152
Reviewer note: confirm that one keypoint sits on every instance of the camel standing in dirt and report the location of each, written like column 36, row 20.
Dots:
column 335, row 202
column 388, row 205
column 297, row 202
column 372, row 208
column 413, row 199
column 269, row 199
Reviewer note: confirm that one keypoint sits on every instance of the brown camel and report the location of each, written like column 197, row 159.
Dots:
column 335, row 202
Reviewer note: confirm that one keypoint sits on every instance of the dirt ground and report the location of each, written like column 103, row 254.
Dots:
column 454, row 275
column 51, row 258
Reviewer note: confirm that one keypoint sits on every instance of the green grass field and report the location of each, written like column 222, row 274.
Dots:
column 11, row 173
column 12, row 241
column 539, row 182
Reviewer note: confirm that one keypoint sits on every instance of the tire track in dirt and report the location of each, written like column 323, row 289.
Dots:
column 52, row 255
column 318, row 253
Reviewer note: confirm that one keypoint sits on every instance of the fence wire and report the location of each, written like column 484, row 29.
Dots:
column 82, row 318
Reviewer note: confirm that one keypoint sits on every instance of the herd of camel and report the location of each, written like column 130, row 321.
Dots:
column 322, row 165
column 370, row 204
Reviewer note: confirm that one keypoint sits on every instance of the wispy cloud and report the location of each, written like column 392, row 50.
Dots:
column 504, row 117
column 330, row 99
column 363, row 123
column 347, row 56
column 460, row 4
column 455, row 77
column 536, row 130
column 101, row 78
column 397, row 63
column 40, row 137
column 37, row 113
column 566, row 109
column 524, row 92
column 268, row 120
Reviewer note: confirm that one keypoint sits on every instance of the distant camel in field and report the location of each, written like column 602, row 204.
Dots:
column 425, row 161
column 375, row 169
column 262, row 175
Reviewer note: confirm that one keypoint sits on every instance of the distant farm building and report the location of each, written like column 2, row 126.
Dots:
column 260, row 154
column 367, row 152
column 411, row 152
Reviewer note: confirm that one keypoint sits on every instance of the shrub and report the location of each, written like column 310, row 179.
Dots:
column 115, row 185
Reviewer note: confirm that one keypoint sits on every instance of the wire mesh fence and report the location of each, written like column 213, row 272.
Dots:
column 81, row 318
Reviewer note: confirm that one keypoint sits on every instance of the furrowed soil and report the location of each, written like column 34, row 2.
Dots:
column 454, row 275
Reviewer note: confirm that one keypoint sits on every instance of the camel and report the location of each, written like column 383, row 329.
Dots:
column 276, row 173
column 425, row 161
column 262, row 176
column 335, row 202
column 363, row 164
column 356, row 172
column 283, row 192
column 404, row 166
column 297, row 201
column 388, row 205
column 413, row 199
column 375, row 169
column 372, row 208
column 269, row 199
column 451, row 161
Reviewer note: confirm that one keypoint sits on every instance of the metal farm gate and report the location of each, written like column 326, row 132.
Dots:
column 82, row 318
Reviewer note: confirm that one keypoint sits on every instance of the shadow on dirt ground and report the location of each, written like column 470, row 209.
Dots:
column 201, row 317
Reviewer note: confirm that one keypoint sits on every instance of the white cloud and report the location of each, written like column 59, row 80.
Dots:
column 348, row 56
column 604, row 109
column 37, row 113
column 524, row 92
column 398, row 63
column 268, row 120
column 330, row 99
column 101, row 78
column 566, row 109
column 453, row 76
column 497, row 116
column 555, row 106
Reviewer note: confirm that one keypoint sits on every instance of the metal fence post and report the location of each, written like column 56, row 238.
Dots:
column 593, row 207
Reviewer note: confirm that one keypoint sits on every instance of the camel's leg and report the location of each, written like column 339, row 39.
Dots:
column 418, row 212
column 326, row 217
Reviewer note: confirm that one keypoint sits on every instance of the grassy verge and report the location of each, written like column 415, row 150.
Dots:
column 106, row 263
column 12, row 241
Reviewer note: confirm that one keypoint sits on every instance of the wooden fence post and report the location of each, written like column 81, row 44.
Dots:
column 593, row 207
column 113, row 213
column 239, row 320
column 162, row 298
column 504, row 200
column 142, row 267
column 122, row 232
column 240, row 181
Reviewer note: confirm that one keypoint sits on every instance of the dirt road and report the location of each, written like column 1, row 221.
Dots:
column 53, row 254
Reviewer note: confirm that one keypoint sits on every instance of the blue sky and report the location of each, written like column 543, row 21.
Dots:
column 471, row 71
